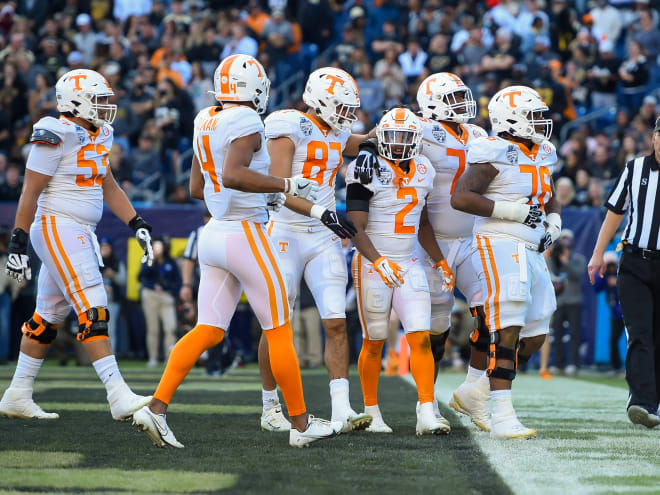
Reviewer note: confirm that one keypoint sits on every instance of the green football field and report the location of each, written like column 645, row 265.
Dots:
column 585, row 443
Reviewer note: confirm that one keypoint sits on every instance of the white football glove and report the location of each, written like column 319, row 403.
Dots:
column 552, row 225
column 300, row 187
column 518, row 211
column 390, row 272
column 18, row 267
column 18, row 262
column 275, row 201
column 448, row 280
column 143, row 235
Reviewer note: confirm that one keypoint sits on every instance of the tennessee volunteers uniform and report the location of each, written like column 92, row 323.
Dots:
column 447, row 152
column 513, row 273
column 306, row 247
column 235, row 252
column 68, row 210
column 395, row 208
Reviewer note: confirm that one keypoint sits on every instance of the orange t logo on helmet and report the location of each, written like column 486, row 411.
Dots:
column 510, row 95
column 334, row 80
column 76, row 78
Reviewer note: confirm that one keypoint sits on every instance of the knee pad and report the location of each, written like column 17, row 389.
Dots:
column 39, row 330
column 480, row 337
column 438, row 345
column 503, row 353
column 93, row 324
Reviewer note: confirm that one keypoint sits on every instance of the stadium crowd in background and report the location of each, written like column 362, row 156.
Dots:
column 583, row 57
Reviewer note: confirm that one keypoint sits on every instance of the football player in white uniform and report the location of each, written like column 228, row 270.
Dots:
column 230, row 172
column 391, row 216
column 447, row 105
column 508, row 185
column 67, row 179
column 311, row 144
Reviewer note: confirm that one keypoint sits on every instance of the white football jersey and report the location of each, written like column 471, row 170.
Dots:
column 215, row 129
column 447, row 153
column 77, row 165
column 522, row 173
column 396, row 206
column 318, row 156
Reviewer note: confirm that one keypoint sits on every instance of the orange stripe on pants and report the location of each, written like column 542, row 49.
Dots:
column 72, row 272
column 484, row 265
column 357, row 284
column 278, row 274
column 496, row 283
column 57, row 263
column 269, row 282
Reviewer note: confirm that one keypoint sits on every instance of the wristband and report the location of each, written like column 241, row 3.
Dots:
column 137, row 222
column 317, row 212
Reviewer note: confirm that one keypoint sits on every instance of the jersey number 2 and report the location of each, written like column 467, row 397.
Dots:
column 403, row 193
column 321, row 163
column 95, row 178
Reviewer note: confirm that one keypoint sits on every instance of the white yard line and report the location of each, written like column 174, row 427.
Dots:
column 585, row 443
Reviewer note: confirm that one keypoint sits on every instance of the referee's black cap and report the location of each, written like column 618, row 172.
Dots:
column 657, row 125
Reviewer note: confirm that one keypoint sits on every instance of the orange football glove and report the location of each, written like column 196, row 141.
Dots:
column 390, row 272
column 447, row 275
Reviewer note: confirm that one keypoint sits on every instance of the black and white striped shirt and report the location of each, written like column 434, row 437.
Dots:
column 190, row 253
column 636, row 190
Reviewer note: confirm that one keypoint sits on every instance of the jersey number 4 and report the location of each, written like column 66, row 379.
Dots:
column 320, row 163
column 540, row 180
column 206, row 160
column 98, row 165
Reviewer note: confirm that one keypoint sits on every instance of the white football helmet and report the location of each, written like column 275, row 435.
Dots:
column 242, row 78
column 399, row 135
column 444, row 96
column 78, row 92
column 518, row 110
column 334, row 95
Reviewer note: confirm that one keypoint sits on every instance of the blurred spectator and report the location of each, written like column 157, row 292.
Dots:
column 388, row 39
column 500, row 59
column 240, row 42
column 114, row 281
column 602, row 164
column 206, row 53
column 648, row 37
column 392, row 76
column 160, row 286
column 8, row 292
column 41, row 99
column 608, row 284
column 372, row 93
column 603, row 76
column 606, row 21
column 565, row 191
column 582, row 181
column 309, row 13
column 440, row 58
column 201, row 88
column 634, row 75
column 144, row 160
column 10, row 190
column 569, row 269
column 86, row 38
column 278, row 35
column 344, row 49
column 596, row 193
column 121, row 167
column 412, row 61
column 257, row 18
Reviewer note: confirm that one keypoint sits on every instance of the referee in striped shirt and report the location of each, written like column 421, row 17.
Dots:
column 638, row 282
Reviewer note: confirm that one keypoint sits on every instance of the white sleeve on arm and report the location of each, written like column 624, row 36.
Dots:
column 44, row 158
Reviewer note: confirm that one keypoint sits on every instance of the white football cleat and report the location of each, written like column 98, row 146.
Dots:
column 377, row 424
column 352, row 421
column 317, row 429
column 18, row 403
column 123, row 402
column 155, row 426
column 273, row 420
column 472, row 399
column 436, row 412
column 428, row 423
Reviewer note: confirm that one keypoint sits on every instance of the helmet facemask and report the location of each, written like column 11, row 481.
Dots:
column 398, row 145
column 541, row 127
column 458, row 106
column 91, row 110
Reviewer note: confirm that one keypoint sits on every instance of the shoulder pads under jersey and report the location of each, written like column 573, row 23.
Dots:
column 45, row 136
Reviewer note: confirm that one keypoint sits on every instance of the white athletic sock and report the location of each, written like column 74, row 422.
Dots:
column 269, row 398
column 501, row 403
column 107, row 369
column 373, row 411
column 473, row 375
column 26, row 371
column 339, row 396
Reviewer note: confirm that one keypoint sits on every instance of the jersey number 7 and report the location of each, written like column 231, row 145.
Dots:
column 321, row 163
column 540, row 176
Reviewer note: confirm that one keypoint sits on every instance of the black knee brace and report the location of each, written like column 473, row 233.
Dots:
column 93, row 323
column 39, row 330
column 438, row 345
column 522, row 360
column 498, row 351
column 479, row 338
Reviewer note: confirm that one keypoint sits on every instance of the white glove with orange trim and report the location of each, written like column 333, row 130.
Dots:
column 448, row 280
column 390, row 272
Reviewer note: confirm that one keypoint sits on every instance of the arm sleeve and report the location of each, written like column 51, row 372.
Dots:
column 357, row 197
column 619, row 198
column 44, row 158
